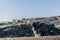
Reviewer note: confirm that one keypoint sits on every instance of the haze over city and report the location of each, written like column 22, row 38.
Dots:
column 18, row 9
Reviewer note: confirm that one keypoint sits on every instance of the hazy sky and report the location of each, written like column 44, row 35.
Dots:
column 15, row 9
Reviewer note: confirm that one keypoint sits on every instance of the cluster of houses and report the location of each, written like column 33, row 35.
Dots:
column 26, row 21
column 31, row 20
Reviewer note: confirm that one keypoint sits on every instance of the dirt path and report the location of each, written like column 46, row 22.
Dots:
column 36, row 35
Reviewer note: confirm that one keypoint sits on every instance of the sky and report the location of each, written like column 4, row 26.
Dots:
column 18, row 9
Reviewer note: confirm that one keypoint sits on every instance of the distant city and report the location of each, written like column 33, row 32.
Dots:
column 31, row 20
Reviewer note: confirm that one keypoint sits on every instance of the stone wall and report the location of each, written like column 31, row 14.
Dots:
column 34, row 38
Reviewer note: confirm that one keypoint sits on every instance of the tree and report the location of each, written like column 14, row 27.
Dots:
column 23, row 19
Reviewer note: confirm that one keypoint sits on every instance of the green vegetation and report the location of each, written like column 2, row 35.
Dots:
column 17, row 31
column 46, row 29
column 25, row 30
column 2, row 23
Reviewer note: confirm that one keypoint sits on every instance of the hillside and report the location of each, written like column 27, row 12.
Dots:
column 34, row 27
column 28, row 30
